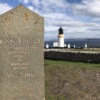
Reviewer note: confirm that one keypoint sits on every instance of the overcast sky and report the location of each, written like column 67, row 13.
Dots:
column 79, row 18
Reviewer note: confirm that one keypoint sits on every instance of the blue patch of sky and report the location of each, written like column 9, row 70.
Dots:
column 29, row 4
column 96, row 21
column 83, row 18
column 68, row 12
column 74, row 1
column 40, row 6
column 12, row 3
column 56, row 9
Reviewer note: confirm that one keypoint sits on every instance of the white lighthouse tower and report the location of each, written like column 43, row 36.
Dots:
column 60, row 38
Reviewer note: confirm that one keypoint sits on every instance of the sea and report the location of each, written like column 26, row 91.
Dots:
column 78, row 42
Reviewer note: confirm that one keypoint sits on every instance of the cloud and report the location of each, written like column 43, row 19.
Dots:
column 4, row 7
column 72, row 27
column 31, row 7
column 55, row 15
column 51, row 36
column 88, row 8
column 35, row 2
column 61, row 3
column 78, row 19
column 47, row 5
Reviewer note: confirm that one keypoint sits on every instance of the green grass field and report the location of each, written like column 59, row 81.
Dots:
column 72, row 80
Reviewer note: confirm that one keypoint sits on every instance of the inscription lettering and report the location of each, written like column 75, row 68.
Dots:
column 20, row 75
column 19, row 40
column 20, row 64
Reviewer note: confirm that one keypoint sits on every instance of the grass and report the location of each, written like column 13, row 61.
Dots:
column 62, row 64
column 64, row 80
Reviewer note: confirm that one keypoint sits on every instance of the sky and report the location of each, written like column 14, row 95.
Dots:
column 78, row 18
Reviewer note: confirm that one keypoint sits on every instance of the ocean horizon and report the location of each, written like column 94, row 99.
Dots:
column 78, row 42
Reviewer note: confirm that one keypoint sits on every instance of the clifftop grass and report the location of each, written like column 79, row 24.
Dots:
column 72, row 81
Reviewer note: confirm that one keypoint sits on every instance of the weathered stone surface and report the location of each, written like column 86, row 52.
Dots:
column 21, row 55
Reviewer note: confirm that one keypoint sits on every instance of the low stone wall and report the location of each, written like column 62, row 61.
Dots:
column 73, row 56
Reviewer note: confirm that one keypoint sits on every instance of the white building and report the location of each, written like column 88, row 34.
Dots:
column 60, row 38
column 47, row 46
column 55, row 44
column 85, row 46
column 74, row 46
column 68, row 46
column 65, row 45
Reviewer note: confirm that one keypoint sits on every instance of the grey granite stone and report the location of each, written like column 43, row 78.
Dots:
column 21, row 55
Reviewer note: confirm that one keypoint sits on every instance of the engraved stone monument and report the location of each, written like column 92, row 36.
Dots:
column 21, row 55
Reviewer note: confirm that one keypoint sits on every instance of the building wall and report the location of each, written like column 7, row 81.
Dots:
column 76, row 57
column 61, row 42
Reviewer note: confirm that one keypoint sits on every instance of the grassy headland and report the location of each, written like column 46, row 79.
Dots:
column 72, row 81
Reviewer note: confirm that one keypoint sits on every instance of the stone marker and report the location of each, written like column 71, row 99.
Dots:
column 21, row 55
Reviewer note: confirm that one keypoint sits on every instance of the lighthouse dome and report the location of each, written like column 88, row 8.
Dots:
column 60, row 30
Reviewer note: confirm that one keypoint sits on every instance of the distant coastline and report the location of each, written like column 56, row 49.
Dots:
column 79, row 42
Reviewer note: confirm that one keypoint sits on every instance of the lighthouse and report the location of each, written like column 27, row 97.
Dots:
column 60, row 38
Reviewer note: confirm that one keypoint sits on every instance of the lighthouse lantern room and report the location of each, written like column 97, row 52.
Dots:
column 60, row 38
